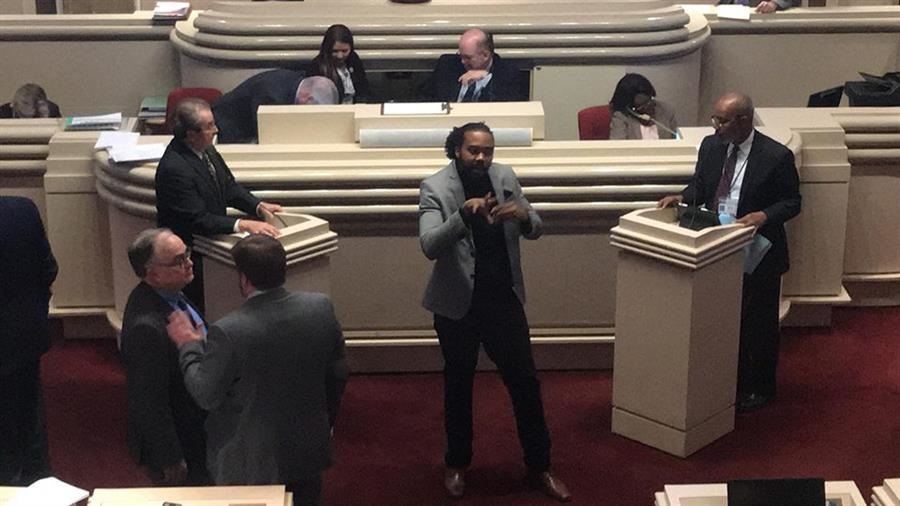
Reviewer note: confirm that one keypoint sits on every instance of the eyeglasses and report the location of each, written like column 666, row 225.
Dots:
column 719, row 122
column 179, row 261
column 646, row 105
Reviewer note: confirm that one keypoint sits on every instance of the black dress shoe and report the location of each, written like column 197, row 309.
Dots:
column 455, row 482
column 752, row 402
column 550, row 485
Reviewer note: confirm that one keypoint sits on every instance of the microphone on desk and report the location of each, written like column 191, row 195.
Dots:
column 647, row 118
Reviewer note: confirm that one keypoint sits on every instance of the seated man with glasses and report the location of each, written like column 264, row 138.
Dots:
column 752, row 178
column 165, row 425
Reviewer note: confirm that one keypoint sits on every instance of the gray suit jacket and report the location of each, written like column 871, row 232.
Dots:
column 625, row 126
column 271, row 375
column 445, row 238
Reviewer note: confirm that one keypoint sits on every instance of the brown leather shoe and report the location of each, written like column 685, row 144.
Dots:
column 455, row 482
column 550, row 485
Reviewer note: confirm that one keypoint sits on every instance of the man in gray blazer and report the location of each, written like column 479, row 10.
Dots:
column 271, row 375
column 471, row 214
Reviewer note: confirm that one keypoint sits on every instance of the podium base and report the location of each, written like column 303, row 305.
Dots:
column 669, row 439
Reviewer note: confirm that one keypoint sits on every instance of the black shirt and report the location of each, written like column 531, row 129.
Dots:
column 492, row 270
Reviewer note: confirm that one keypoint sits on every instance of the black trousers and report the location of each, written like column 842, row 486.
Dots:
column 24, row 456
column 307, row 492
column 497, row 321
column 760, row 333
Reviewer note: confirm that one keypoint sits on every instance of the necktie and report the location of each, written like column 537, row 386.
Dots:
column 210, row 167
column 724, row 187
column 470, row 93
column 182, row 305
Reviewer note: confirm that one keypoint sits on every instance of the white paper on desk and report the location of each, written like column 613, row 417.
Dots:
column 738, row 12
column 102, row 119
column 137, row 153
column 755, row 251
column 112, row 139
column 48, row 492
column 414, row 108
column 171, row 8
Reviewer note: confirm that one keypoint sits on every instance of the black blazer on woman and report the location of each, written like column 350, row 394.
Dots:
column 357, row 75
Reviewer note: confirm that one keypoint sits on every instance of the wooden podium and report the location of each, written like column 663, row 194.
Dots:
column 259, row 495
column 678, row 309
column 307, row 240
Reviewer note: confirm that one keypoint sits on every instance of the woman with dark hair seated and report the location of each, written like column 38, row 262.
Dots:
column 338, row 61
column 30, row 101
column 636, row 114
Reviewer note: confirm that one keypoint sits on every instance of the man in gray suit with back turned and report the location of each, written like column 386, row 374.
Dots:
column 271, row 375
column 471, row 215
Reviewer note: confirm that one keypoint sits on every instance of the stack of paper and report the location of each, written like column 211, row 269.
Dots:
column 101, row 122
column 123, row 147
column 171, row 10
column 48, row 492
column 153, row 107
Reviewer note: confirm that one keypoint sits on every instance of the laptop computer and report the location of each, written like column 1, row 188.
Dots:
column 780, row 492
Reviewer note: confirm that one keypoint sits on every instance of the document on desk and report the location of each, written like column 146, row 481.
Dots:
column 112, row 139
column 414, row 108
column 737, row 12
column 48, row 492
column 136, row 153
column 755, row 251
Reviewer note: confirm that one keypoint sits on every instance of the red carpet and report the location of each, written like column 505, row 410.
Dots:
column 835, row 417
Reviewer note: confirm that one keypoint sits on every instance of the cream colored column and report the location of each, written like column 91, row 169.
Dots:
column 678, row 308
column 78, row 229
column 887, row 494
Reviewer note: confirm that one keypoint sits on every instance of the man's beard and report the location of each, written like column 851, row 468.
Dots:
column 476, row 169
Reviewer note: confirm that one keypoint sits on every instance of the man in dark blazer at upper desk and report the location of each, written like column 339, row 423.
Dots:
column 165, row 426
column 271, row 375
column 27, row 269
column 235, row 112
column 752, row 177
column 194, row 186
column 475, row 74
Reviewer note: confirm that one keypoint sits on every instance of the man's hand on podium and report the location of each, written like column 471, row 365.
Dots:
column 754, row 219
column 258, row 227
column 669, row 201
column 268, row 207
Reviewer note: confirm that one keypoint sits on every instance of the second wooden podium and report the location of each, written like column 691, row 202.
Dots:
column 678, row 309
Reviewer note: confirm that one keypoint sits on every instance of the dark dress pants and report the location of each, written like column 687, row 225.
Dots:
column 24, row 456
column 307, row 492
column 760, row 333
column 497, row 321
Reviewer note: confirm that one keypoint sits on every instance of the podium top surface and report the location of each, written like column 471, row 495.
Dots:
column 295, row 229
column 660, row 226
column 264, row 495
column 716, row 494
column 654, row 233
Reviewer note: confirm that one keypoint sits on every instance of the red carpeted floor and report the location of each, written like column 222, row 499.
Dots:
column 835, row 417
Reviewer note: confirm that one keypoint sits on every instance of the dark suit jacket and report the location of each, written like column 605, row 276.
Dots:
column 164, row 423
column 506, row 82
column 27, row 269
column 235, row 112
column 189, row 201
column 271, row 375
column 445, row 238
column 771, row 185
column 6, row 110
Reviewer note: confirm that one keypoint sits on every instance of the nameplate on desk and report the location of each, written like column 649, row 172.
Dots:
column 414, row 108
